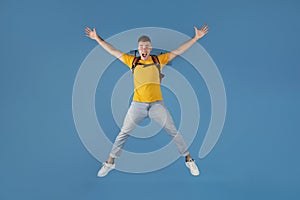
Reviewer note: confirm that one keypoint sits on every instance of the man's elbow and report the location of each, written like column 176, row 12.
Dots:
column 172, row 55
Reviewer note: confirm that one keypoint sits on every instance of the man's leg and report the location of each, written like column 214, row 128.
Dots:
column 135, row 114
column 159, row 113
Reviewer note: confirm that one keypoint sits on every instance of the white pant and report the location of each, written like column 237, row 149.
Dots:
column 137, row 112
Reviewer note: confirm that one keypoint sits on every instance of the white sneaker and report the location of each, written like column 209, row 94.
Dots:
column 193, row 167
column 106, row 167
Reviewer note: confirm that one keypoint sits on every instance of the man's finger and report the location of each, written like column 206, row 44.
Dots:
column 195, row 28
column 205, row 26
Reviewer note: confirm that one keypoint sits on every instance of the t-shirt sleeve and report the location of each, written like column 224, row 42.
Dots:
column 127, row 59
column 163, row 59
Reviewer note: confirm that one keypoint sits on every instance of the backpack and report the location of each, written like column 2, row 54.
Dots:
column 136, row 60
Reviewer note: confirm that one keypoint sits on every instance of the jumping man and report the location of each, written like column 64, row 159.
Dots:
column 147, row 98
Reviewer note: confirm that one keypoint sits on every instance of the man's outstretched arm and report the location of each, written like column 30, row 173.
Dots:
column 105, row 45
column 199, row 33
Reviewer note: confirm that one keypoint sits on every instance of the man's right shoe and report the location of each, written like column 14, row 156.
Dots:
column 106, row 167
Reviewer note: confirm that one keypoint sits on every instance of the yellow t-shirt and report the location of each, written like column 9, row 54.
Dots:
column 146, row 79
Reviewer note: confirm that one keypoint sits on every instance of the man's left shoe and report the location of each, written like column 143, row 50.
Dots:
column 193, row 167
column 106, row 167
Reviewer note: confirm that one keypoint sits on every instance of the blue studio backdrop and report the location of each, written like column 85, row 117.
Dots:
column 255, row 45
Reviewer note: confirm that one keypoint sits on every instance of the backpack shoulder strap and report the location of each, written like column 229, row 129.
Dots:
column 134, row 62
column 155, row 59
column 157, row 63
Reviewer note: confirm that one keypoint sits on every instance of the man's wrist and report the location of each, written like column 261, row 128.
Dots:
column 195, row 39
column 99, row 39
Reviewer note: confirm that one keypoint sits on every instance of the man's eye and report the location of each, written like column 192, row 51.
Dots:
column 144, row 46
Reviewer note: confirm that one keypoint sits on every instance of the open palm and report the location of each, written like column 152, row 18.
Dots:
column 199, row 33
column 90, row 33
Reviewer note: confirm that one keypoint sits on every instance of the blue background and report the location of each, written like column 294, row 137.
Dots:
column 255, row 45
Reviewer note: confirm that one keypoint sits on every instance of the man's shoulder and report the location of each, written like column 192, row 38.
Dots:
column 163, row 58
column 127, row 59
column 126, row 55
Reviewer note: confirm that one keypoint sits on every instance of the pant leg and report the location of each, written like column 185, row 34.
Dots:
column 159, row 113
column 135, row 114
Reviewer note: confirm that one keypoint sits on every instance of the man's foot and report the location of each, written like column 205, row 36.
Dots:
column 106, row 167
column 193, row 167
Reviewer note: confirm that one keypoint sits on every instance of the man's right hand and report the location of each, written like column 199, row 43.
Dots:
column 91, row 33
column 105, row 45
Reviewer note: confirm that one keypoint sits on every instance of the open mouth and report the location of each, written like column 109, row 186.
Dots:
column 144, row 55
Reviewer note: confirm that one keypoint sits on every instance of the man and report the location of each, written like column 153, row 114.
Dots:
column 147, row 98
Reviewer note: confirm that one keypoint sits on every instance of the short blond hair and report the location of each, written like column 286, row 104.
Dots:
column 144, row 38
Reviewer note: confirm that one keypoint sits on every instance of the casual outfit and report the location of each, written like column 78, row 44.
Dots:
column 147, row 102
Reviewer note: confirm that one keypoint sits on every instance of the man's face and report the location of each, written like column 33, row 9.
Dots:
column 144, row 49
